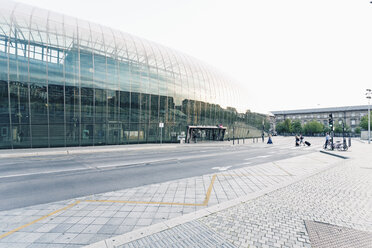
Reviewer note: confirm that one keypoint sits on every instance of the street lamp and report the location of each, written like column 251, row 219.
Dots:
column 368, row 96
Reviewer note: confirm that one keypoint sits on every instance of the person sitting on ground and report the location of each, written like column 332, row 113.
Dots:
column 269, row 141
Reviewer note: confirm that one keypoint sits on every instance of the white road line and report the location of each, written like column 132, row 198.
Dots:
column 221, row 168
column 264, row 156
column 87, row 168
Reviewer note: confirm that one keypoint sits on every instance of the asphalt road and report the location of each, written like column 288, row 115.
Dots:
column 29, row 181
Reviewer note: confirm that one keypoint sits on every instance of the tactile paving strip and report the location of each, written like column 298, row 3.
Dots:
column 324, row 235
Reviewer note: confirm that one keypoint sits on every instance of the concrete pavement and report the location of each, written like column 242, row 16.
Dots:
column 330, row 208
column 200, row 211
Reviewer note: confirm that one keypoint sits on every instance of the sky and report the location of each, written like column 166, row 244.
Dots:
column 288, row 54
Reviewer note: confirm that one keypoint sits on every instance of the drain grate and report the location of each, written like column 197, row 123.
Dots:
column 324, row 235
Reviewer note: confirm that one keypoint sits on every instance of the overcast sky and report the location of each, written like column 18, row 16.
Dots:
column 287, row 54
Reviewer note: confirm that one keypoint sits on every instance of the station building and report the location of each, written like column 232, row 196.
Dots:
column 69, row 82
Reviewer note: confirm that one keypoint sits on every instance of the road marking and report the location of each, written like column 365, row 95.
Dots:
column 209, row 190
column 145, row 202
column 41, row 218
column 289, row 174
column 205, row 202
column 253, row 175
column 263, row 156
column 43, row 173
column 130, row 165
column 221, row 168
column 248, row 163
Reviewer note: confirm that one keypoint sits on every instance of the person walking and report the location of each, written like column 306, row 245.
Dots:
column 297, row 140
column 263, row 137
column 327, row 138
column 301, row 139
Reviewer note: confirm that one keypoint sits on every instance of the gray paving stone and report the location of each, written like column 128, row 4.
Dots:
column 83, row 238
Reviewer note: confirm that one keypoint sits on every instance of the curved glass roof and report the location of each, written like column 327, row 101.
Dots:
column 65, row 33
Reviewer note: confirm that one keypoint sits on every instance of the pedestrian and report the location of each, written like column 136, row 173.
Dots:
column 269, row 141
column 297, row 139
column 263, row 137
column 301, row 139
column 327, row 138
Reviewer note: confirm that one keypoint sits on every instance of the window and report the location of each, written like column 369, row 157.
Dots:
column 4, row 131
column 352, row 122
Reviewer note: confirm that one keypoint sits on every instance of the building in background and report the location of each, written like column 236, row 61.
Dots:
column 350, row 115
column 68, row 82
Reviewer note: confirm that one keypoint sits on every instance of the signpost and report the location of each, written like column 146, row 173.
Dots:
column 161, row 125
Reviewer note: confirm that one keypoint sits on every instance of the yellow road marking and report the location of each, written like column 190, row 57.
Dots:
column 209, row 191
column 250, row 175
column 144, row 202
column 41, row 218
column 205, row 202
column 289, row 174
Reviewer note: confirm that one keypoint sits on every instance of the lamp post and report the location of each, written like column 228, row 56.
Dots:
column 368, row 96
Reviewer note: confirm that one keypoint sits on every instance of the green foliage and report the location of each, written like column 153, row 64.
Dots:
column 284, row 126
column 296, row 127
column 326, row 129
column 280, row 127
column 357, row 130
column 364, row 122
column 288, row 125
column 338, row 128
column 313, row 127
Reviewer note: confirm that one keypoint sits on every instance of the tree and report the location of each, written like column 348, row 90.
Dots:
column 284, row 127
column 297, row 127
column 357, row 130
column 288, row 125
column 280, row 127
column 364, row 122
column 313, row 127
column 338, row 128
column 326, row 129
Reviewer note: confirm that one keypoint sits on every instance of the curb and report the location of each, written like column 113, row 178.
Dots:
column 333, row 154
column 168, row 224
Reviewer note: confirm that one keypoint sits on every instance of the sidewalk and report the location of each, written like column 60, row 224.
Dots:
column 332, row 208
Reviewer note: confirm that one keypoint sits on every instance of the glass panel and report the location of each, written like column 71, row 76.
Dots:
column 39, row 105
column 5, row 136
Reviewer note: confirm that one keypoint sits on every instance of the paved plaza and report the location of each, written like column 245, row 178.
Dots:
column 340, row 196
column 265, row 205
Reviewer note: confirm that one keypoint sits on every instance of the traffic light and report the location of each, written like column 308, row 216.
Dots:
column 330, row 121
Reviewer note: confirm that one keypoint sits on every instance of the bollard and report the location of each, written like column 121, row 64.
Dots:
column 238, row 141
column 349, row 141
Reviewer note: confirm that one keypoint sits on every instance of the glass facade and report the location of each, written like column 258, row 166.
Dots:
column 68, row 82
